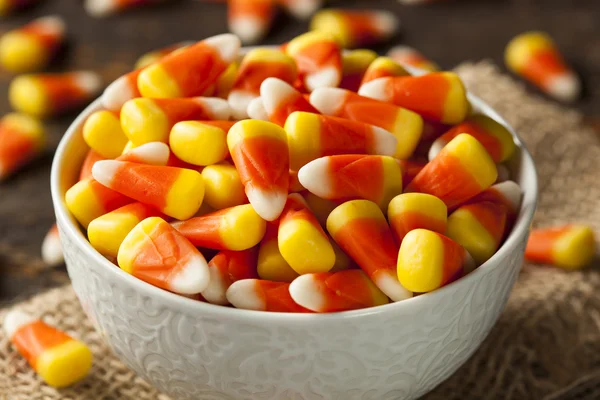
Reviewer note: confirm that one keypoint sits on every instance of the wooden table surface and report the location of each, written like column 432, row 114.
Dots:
column 449, row 33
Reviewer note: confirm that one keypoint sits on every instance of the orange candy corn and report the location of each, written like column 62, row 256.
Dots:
column 58, row 358
column 311, row 136
column 383, row 67
column 361, row 230
column 177, row 192
column 250, row 20
column 103, row 8
column 280, row 99
column 534, row 56
column 52, row 253
column 569, row 246
column 336, row 291
column 301, row 9
column 156, row 253
column 228, row 267
column 155, row 55
column 410, row 211
column 47, row 95
column 354, row 28
column 406, row 125
column 191, row 70
column 354, row 65
column 22, row 138
column 439, row 96
column 353, row 176
column 259, row 151
column 262, row 295
column 405, row 55
column 271, row 264
column 460, row 171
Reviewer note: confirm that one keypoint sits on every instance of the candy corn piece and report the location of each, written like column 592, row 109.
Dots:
column 507, row 194
column 353, row 176
column 103, row 133
column 439, row 96
column 354, row 28
column 383, row 67
column 150, row 120
column 258, row 65
column 311, row 136
column 9, row 6
column 57, row 357
column 354, row 65
column 191, row 70
column 568, row 246
column 52, row 253
column 236, row 228
column 259, row 151
column 410, row 169
column 280, row 99
column 228, row 267
column 302, row 241
column 177, row 192
column 271, row 265
column 301, row 9
column 336, row 291
column 22, row 138
column 360, row 229
column 256, row 110
column 460, row 171
column 47, row 95
column 103, row 8
column 32, row 46
column 318, row 58
column 153, row 153
column 479, row 228
column 250, row 19
column 223, row 186
column 406, row 125
column 428, row 260
column 88, row 163
column 410, row 211
column 496, row 139
column 405, row 55
column 121, row 90
column 535, row 57
column 319, row 206
column 200, row 143
column 107, row 232
column 225, row 81
column 262, row 295
column 153, row 56
column 156, row 253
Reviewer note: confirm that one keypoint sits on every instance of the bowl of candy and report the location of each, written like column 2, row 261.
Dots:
column 272, row 226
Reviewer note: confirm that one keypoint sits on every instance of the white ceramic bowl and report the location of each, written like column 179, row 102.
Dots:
column 194, row 350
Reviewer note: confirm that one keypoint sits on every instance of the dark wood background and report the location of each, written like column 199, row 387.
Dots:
column 450, row 32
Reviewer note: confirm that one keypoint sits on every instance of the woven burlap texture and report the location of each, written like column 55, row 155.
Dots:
column 547, row 341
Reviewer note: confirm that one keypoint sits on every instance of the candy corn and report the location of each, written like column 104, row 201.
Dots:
column 47, row 95
column 354, row 65
column 301, row 8
column 460, row 171
column 302, row 241
column 439, row 96
column 410, row 211
column 191, row 70
column 429, row 260
column 250, row 19
column 102, row 132
column 496, row 139
column 225, row 81
column 353, row 176
column 177, row 192
column 32, row 46
column 360, row 229
column 22, row 138
column 271, row 264
column 259, row 151
column 121, row 90
column 103, row 8
column 280, row 99
column 354, row 28
column 534, row 56
column 261, row 295
column 156, row 253
column 336, row 291
column 383, row 67
column 155, row 55
column 226, row 268
column 107, row 232
column 405, row 55
column 223, row 187
column 236, row 228
column 200, row 143
column 256, row 110
column 153, row 153
column 52, row 253
column 406, row 125
column 569, row 246
column 88, row 163
column 311, row 136
column 507, row 194
column 319, row 206
column 58, row 358
column 150, row 120
column 318, row 58
column 410, row 169
column 478, row 227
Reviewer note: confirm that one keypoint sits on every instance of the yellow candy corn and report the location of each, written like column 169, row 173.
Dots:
column 200, row 143
column 102, row 132
column 223, row 187
column 271, row 264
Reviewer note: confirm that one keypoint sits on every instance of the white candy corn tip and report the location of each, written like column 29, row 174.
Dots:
column 88, row 81
column 267, row 204
column 256, row 110
column 511, row 191
column 117, row 94
column 315, row 177
column 250, row 29
column 216, row 289
column 227, row 44
column 14, row 320
column 53, row 24
column 401, row 52
column 242, row 294
column 153, row 153
column 239, row 100
column 100, row 8
column 305, row 292
column 52, row 253
column 326, row 77
column 328, row 100
column 387, row 23
column 191, row 278
column 302, row 9
column 384, row 143
column 566, row 88
column 375, row 89
column 389, row 284
column 104, row 171
column 435, row 148
column 218, row 109
column 274, row 91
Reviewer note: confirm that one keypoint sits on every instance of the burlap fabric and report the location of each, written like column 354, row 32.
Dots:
column 546, row 343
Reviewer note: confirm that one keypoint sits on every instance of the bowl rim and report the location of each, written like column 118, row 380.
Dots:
column 76, row 235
